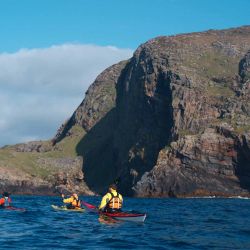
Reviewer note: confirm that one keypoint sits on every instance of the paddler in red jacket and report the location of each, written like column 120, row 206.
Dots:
column 5, row 200
column 112, row 201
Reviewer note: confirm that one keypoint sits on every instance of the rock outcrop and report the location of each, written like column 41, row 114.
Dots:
column 209, row 164
column 51, row 176
column 174, row 120
column 99, row 100
column 40, row 168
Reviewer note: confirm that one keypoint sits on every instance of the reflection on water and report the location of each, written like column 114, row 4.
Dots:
column 107, row 220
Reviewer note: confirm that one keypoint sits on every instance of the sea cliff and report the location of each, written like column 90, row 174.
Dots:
column 174, row 120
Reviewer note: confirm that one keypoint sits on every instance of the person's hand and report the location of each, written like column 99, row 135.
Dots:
column 62, row 195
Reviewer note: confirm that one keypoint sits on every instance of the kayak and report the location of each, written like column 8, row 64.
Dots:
column 126, row 216
column 64, row 208
column 14, row 208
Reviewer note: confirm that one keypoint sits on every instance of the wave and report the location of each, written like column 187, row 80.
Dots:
column 217, row 197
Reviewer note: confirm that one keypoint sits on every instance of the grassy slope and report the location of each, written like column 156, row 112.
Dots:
column 27, row 162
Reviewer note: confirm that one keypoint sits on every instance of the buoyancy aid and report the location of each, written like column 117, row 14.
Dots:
column 73, row 202
column 76, row 202
column 115, row 202
column 5, row 201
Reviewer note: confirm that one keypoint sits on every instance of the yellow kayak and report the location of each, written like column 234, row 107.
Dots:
column 64, row 208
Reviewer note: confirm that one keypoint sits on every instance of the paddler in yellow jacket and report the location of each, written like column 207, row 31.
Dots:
column 72, row 202
column 111, row 201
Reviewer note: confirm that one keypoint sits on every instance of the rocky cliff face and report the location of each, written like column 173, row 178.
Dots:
column 99, row 100
column 174, row 120
column 213, row 163
column 67, row 177
column 180, row 124
column 209, row 152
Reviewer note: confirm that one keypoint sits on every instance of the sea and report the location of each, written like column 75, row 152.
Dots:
column 191, row 223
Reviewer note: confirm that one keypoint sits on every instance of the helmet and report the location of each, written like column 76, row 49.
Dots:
column 75, row 195
column 113, row 186
column 6, row 194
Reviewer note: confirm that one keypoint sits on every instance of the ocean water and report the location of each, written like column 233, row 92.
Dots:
column 204, row 223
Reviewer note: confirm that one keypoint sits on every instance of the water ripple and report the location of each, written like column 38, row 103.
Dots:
column 170, row 224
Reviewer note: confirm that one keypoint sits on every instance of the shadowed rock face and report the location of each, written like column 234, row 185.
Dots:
column 177, row 121
column 144, row 116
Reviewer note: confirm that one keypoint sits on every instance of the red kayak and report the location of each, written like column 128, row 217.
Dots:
column 124, row 216
column 15, row 208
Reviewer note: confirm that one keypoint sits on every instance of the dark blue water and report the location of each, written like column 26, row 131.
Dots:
column 171, row 224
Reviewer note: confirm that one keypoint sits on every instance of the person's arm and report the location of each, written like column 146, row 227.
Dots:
column 104, row 201
column 69, row 200
column 121, row 199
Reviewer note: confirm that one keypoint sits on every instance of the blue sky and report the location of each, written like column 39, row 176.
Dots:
column 52, row 50
column 122, row 23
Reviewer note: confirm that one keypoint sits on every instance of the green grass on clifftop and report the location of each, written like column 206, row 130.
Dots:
column 28, row 162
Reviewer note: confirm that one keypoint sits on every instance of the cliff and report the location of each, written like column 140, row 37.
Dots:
column 180, row 123
column 174, row 120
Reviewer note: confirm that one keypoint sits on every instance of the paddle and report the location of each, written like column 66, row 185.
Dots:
column 62, row 196
column 89, row 206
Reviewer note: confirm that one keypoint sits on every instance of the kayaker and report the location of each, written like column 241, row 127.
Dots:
column 5, row 200
column 72, row 202
column 111, row 201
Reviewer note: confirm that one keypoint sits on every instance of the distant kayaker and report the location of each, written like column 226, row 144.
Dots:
column 5, row 200
column 111, row 201
column 72, row 202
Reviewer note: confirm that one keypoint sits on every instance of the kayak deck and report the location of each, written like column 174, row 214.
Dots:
column 126, row 216
column 64, row 208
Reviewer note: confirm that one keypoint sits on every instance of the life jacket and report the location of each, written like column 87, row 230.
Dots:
column 5, row 202
column 115, row 202
column 76, row 202
column 2, row 201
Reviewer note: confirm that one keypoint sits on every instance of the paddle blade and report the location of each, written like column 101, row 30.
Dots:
column 90, row 206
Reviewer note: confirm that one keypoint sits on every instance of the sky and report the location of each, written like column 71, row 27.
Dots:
column 52, row 50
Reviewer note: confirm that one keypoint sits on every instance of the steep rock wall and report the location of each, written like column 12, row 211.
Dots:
column 173, row 90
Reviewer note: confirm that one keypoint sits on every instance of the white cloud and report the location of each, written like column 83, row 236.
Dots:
column 40, row 88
